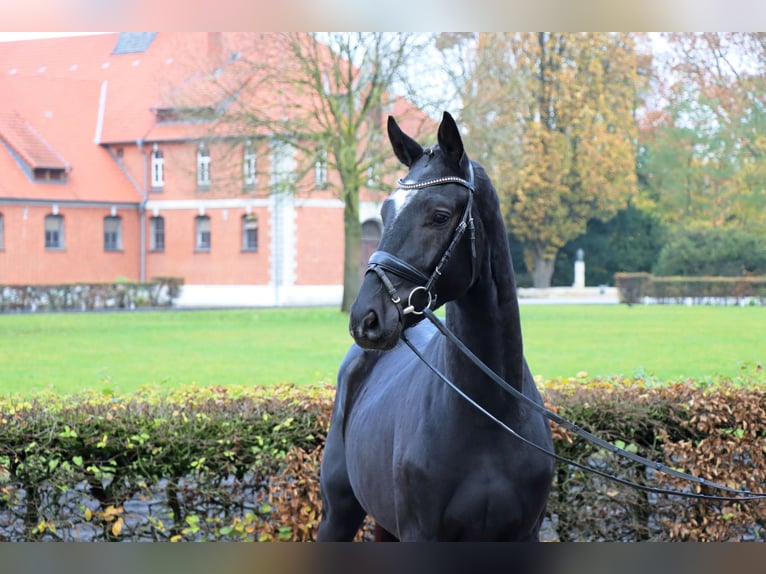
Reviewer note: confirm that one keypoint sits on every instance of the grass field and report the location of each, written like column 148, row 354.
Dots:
column 667, row 341
column 70, row 352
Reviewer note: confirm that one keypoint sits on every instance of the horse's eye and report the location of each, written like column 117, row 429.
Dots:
column 440, row 218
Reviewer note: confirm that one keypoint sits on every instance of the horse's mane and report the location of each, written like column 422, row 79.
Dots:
column 501, row 265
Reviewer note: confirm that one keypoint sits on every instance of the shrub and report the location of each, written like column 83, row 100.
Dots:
column 243, row 464
column 633, row 287
column 630, row 241
column 194, row 464
column 715, row 290
column 715, row 432
column 122, row 294
column 727, row 252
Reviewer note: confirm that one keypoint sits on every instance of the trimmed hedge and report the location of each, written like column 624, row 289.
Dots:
column 194, row 464
column 633, row 288
column 159, row 292
column 243, row 464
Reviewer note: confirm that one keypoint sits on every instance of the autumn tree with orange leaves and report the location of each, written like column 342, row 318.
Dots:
column 552, row 116
column 703, row 156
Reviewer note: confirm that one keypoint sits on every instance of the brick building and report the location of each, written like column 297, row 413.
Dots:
column 100, row 179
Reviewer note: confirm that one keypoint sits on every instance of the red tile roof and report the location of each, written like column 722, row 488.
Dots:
column 62, row 97
column 69, row 97
column 46, row 104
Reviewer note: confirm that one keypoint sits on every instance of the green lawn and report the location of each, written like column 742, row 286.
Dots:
column 70, row 352
column 667, row 341
column 123, row 351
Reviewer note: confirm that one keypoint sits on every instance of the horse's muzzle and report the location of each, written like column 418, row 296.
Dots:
column 374, row 322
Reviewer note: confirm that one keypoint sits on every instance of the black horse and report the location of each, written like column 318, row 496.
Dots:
column 403, row 447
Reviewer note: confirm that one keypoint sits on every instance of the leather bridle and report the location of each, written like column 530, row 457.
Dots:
column 381, row 262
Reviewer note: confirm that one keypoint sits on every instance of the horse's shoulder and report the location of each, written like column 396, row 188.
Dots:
column 354, row 370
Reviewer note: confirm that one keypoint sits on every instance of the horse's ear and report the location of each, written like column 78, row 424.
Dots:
column 405, row 148
column 449, row 139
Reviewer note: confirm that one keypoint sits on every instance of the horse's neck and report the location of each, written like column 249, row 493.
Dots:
column 487, row 320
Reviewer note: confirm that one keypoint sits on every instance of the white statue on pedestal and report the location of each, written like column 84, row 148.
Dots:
column 579, row 271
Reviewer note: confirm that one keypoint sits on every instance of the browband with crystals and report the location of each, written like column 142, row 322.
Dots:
column 468, row 183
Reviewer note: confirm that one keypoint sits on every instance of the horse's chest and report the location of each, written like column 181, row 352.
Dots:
column 420, row 465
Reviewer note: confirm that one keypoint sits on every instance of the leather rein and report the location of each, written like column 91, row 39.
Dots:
column 382, row 263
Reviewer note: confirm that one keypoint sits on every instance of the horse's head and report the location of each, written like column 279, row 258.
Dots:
column 427, row 253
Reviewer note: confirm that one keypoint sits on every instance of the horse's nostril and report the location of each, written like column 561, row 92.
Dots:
column 371, row 324
column 368, row 328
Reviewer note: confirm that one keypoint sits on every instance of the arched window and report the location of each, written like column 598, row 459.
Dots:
column 112, row 233
column 157, row 233
column 250, row 232
column 202, row 233
column 54, row 231
column 249, row 165
column 203, row 166
column 158, row 169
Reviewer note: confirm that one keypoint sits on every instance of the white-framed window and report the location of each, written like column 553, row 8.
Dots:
column 112, row 233
column 250, row 232
column 203, row 166
column 249, row 165
column 2, row 232
column 158, row 168
column 157, row 233
column 320, row 170
column 54, row 231
column 202, row 233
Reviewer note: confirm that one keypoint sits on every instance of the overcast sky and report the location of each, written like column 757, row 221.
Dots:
column 11, row 36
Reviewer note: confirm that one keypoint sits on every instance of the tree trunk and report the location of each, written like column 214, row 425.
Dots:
column 542, row 270
column 352, row 243
column 543, row 273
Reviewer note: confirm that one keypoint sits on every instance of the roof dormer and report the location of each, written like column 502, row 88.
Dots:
column 39, row 159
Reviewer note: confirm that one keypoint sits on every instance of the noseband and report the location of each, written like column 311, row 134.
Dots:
column 382, row 262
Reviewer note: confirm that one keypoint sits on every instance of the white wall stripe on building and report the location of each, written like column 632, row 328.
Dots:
column 195, row 204
column 198, row 296
column 283, row 249
column 309, row 202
